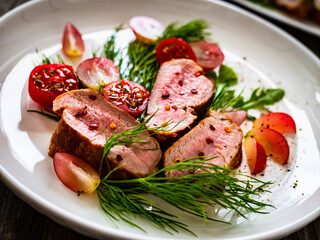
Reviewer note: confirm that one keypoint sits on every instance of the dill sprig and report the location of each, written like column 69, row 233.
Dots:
column 195, row 30
column 191, row 193
column 49, row 60
column 47, row 114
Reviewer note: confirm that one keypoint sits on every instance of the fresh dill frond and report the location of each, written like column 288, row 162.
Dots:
column 191, row 193
column 131, row 136
column 195, row 30
column 47, row 113
column 49, row 60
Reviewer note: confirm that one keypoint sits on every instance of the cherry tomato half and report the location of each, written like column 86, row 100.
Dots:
column 128, row 96
column 173, row 48
column 48, row 81
column 146, row 29
column 209, row 55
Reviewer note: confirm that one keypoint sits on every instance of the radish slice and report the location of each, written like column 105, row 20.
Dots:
column 146, row 29
column 209, row 55
column 237, row 117
column 76, row 174
column 96, row 73
column 72, row 43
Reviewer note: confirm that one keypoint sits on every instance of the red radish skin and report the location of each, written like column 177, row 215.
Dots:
column 96, row 73
column 72, row 42
column 273, row 142
column 209, row 55
column 279, row 121
column 146, row 29
column 75, row 173
column 256, row 155
column 237, row 117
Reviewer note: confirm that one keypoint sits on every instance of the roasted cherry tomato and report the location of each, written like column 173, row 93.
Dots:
column 96, row 73
column 209, row 55
column 146, row 29
column 173, row 48
column 48, row 81
column 128, row 96
column 72, row 43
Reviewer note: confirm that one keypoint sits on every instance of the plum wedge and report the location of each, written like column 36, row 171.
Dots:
column 256, row 156
column 279, row 121
column 273, row 142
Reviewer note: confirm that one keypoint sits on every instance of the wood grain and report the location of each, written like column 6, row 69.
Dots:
column 19, row 221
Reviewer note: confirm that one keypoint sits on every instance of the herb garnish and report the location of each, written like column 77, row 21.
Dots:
column 47, row 113
column 225, row 97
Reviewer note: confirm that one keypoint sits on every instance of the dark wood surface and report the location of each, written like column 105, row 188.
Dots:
column 19, row 221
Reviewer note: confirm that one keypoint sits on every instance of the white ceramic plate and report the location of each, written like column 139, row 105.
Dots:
column 260, row 53
column 302, row 24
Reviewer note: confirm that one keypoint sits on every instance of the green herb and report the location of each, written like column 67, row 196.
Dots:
column 47, row 60
column 226, row 98
column 47, row 113
column 124, row 199
column 191, row 193
column 195, row 30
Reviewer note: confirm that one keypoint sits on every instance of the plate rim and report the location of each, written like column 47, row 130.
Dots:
column 42, row 205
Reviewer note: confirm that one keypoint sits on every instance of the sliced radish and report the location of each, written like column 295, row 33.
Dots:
column 278, row 121
column 96, row 73
column 209, row 55
column 76, row 174
column 237, row 117
column 72, row 43
column 146, row 29
column 256, row 156
column 273, row 142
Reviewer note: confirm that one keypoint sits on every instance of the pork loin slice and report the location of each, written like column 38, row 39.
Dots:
column 215, row 135
column 180, row 92
column 84, row 115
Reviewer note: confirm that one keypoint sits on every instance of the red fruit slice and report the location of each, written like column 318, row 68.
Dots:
column 237, row 117
column 146, row 29
column 174, row 48
column 281, row 122
column 128, row 96
column 209, row 55
column 273, row 142
column 48, row 81
column 72, row 43
column 76, row 174
column 256, row 156
column 96, row 73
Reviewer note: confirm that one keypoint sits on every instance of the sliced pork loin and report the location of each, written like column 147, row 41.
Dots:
column 180, row 92
column 84, row 116
column 215, row 135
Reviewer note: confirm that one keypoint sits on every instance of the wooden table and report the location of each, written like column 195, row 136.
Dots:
column 20, row 221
